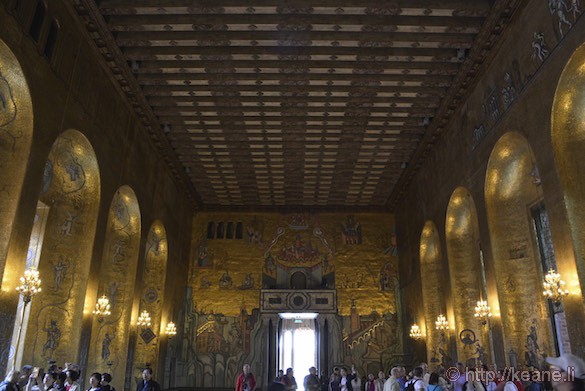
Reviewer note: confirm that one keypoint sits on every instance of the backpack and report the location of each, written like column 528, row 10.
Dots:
column 410, row 385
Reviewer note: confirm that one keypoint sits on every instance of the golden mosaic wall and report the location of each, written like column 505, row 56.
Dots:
column 16, row 128
column 512, row 186
column 226, row 274
column 433, row 281
column 152, row 298
column 110, row 335
column 71, row 190
column 354, row 254
column 466, row 272
column 568, row 137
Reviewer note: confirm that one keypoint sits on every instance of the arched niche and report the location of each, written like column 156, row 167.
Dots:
column 61, row 247
column 110, row 335
column 152, row 297
column 16, row 130
column 512, row 187
column 433, row 280
column 568, row 139
column 466, row 271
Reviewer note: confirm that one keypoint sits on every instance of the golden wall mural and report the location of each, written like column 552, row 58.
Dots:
column 16, row 129
column 110, row 335
column 152, row 299
column 568, row 138
column 467, row 276
column 71, row 192
column 433, row 281
column 512, row 187
column 236, row 255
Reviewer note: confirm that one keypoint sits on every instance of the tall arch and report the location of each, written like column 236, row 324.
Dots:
column 110, row 335
column 568, row 139
column 16, row 130
column 61, row 247
column 432, row 284
column 466, row 271
column 512, row 188
column 152, row 297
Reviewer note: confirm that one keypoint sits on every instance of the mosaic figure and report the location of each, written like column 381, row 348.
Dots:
column 59, row 269
column 558, row 8
column 7, row 104
column 67, row 225
column 53, row 338
column 106, row 346
column 539, row 49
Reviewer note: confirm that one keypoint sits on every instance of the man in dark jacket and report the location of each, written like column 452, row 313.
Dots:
column 147, row 383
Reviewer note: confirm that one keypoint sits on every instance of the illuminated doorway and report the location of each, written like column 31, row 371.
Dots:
column 297, row 343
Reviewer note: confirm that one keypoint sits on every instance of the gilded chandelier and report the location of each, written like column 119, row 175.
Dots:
column 171, row 330
column 102, row 307
column 144, row 319
column 30, row 284
column 482, row 311
column 554, row 287
column 441, row 323
column 415, row 332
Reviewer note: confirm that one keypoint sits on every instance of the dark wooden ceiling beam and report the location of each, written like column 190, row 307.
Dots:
column 167, row 90
column 152, row 66
column 144, row 38
column 150, row 53
column 121, row 22
column 152, row 78
column 175, row 102
column 333, row 113
column 187, row 142
column 310, row 129
column 475, row 7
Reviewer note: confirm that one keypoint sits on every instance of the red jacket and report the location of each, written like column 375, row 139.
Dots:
column 242, row 379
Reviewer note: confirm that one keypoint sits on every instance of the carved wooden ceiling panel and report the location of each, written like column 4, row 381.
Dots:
column 269, row 103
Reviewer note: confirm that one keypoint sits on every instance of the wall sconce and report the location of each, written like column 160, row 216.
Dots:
column 482, row 312
column 171, row 330
column 144, row 319
column 30, row 285
column 102, row 308
column 415, row 332
column 441, row 323
column 554, row 287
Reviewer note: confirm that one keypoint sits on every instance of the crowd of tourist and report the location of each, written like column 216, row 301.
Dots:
column 569, row 376
column 56, row 378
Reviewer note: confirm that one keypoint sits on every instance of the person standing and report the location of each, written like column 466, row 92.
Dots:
column 246, row 380
column 147, row 383
column 392, row 383
column 311, row 381
column 289, row 380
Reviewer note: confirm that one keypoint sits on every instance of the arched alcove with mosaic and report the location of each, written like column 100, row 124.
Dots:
column 152, row 299
column 467, row 276
column 16, row 130
column 512, row 189
column 568, row 138
column 61, row 248
column 110, row 335
column 432, row 282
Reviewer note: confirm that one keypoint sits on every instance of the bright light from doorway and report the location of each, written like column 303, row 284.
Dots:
column 298, row 343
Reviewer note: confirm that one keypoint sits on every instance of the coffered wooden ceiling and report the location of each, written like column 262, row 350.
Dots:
column 274, row 103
